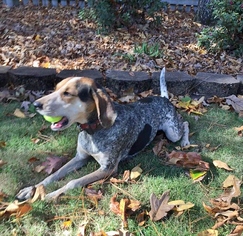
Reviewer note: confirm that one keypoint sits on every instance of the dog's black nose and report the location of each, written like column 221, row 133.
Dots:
column 38, row 105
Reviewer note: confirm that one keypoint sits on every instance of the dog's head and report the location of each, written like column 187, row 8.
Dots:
column 77, row 99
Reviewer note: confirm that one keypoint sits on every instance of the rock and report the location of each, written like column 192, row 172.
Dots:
column 34, row 78
column 119, row 81
column 210, row 84
column 93, row 74
column 178, row 83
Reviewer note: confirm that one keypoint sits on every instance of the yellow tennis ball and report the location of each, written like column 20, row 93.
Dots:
column 52, row 119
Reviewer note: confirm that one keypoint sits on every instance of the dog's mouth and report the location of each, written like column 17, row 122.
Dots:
column 60, row 125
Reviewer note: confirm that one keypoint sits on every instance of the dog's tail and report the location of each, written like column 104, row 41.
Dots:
column 163, row 86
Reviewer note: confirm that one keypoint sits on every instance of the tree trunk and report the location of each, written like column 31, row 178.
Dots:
column 204, row 12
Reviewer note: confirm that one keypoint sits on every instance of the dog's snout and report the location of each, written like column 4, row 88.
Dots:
column 38, row 105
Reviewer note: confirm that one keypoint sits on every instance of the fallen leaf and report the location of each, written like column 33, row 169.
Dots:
column 33, row 159
column 17, row 209
column 82, row 228
column 40, row 193
column 66, row 224
column 141, row 218
column 185, row 206
column 189, row 160
column 115, row 206
column 209, row 232
column 229, row 181
column 19, row 113
column 123, row 207
column 160, row 148
column 2, row 196
column 94, row 195
column 197, row 175
column 2, row 144
column 2, row 163
column 235, row 102
column 52, row 164
column 222, row 165
column 237, row 231
column 159, row 207
column 135, row 172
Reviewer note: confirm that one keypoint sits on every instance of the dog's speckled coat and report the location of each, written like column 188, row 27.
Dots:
column 113, row 132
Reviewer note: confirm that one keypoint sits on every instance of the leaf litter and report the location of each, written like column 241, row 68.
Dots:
column 22, row 45
column 188, row 55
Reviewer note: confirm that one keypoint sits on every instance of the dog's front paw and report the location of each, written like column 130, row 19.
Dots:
column 25, row 193
column 53, row 196
column 185, row 143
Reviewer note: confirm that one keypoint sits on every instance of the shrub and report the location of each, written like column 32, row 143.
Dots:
column 227, row 34
column 110, row 14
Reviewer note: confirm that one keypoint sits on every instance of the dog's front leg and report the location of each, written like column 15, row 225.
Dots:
column 77, row 162
column 185, row 138
column 82, row 182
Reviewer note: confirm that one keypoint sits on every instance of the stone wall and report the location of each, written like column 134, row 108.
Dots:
column 178, row 83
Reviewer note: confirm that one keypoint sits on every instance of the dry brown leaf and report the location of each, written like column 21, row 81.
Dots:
column 40, row 193
column 19, row 113
column 229, row 181
column 237, row 231
column 93, row 193
column 190, row 160
column 2, row 163
column 160, row 148
column 33, row 159
column 2, row 144
column 141, row 218
column 17, row 209
column 222, row 165
column 159, row 207
column 115, row 206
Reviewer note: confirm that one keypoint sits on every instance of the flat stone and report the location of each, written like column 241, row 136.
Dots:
column 93, row 74
column 210, row 84
column 178, row 83
column 34, row 78
column 119, row 81
column 240, row 78
column 4, row 76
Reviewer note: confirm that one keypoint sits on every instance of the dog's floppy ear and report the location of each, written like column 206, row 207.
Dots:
column 104, row 106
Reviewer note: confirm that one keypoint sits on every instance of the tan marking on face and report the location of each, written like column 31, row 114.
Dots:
column 64, row 101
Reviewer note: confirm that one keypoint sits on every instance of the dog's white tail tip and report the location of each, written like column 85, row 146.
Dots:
column 163, row 86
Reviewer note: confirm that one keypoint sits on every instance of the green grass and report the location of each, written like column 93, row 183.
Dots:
column 216, row 127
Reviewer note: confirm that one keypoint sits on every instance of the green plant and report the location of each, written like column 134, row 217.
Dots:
column 227, row 34
column 152, row 50
column 110, row 14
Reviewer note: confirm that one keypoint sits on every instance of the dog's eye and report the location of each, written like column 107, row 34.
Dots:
column 67, row 94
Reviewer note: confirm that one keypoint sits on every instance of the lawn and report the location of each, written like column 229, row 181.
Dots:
column 216, row 128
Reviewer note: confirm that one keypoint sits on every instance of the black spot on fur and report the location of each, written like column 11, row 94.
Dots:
column 142, row 140
column 84, row 93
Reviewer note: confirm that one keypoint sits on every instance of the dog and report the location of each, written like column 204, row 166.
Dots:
column 110, row 132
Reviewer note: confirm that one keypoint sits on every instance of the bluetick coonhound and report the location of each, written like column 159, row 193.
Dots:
column 111, row 132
